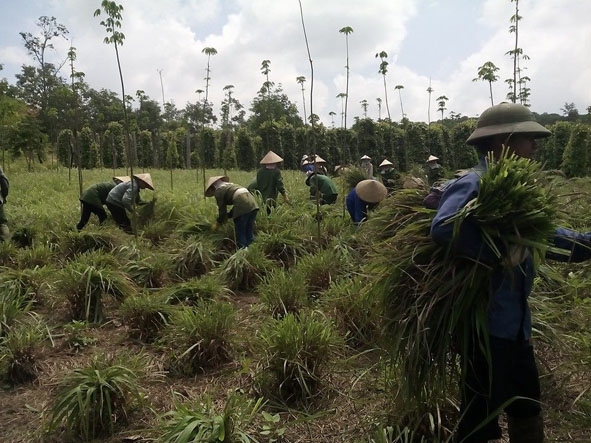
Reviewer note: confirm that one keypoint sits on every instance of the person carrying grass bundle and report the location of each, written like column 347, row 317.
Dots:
column 4, row 185
column 322, row 185
column 123, row 196
column 269, row 181
column 94, row 198
column 363, row 198
column 504, row 230
column 244, row 211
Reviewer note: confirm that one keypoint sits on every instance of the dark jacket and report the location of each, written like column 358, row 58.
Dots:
column 242, row 201
column 96, row 195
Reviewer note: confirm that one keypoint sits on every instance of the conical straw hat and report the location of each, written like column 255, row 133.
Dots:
column 209, row 189
column 432, row 158
column 365, row 157
column 319, row 159
column 371, row 191
column 270, row 158
column 146, row 178
column 386, row 162
column 121, row 179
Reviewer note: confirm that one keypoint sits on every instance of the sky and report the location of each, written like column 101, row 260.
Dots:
column 429, row 43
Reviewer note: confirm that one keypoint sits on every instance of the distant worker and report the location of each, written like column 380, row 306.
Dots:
column 4, row 185
column 389, row 175
column 121, row 198
column 269, row 181
column 305, row 164
column 323, row 186
column 366, row 166
column 318, row 164
column 244, row 211
column 434, row 170
column 363, row 198
column 94, row 198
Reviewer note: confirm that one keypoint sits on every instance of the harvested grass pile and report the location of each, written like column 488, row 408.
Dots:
column 435, row 301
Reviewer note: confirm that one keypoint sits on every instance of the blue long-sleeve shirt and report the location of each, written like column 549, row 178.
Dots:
column 356, row 207
column 508, row 311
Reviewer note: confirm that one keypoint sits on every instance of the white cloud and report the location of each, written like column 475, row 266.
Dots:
column 171, row 35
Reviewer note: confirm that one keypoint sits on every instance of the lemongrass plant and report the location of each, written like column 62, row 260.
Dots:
column 433, row 299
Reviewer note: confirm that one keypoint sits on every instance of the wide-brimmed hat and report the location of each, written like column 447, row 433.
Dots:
column 365, row 157
column 432, row 158
column 146, row 178
column 318, row 159
column 506, row 118
column 371, row 191
column 270, row 158
column 121, row 179
column 209, row 189
column 385, row 163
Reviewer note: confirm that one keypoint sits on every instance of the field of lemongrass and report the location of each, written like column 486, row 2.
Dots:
column 173, row 335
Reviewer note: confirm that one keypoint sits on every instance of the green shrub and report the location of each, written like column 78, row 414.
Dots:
column 76, row 335
column 199, row 338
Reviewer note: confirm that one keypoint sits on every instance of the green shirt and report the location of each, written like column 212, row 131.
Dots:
column 96, row 195
column 325, row 185
column 270, row 183
column 243, row 202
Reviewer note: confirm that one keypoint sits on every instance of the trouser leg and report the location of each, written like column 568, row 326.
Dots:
column 85, row 212
column 120, row 216
column 252, row 216
column 240, row 228
column 4, row 231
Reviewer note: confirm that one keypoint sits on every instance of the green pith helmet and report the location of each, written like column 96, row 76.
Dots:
column 506, row 118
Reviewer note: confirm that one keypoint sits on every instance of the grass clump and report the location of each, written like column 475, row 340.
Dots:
column 145, row 315
column 284, row 293
column 91, row 401
column 199, row 338
column 199, row 421
column 154, row 271
column 295, row 354
column 282, row 247
column 194, row 259
column 76, row 243
column 85, row 287
column 76, row 335
column 18, row 349
column 244, row 269
column 194, row 291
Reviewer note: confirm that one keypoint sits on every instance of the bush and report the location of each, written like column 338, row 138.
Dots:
column 145, row 315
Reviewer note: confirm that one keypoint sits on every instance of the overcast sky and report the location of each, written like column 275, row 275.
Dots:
column 429, row 42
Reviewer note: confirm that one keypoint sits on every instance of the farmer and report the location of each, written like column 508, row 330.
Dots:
column 389, row 175
column 366, row 166
column 363, row 198
column 322, row 185
column 269, row 181
column 244, row 211
column 121, row 198
column 93, row 199
column 434, row 170
column 4, row 185
column 512, row 373
column 318, row 164
column 305, row 164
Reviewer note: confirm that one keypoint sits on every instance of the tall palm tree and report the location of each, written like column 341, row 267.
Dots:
column 383, row 55
column 429, row 90
column 346, row 30
column 364, row 107
column 301, row 80
column 487, row 72
column 332, row 114
column 379, row 100
column 342, row 96
column 209, row 52
column 441, row 100
column 399, row 87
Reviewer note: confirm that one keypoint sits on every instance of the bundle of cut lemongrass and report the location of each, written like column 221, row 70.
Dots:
column 435, row 302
